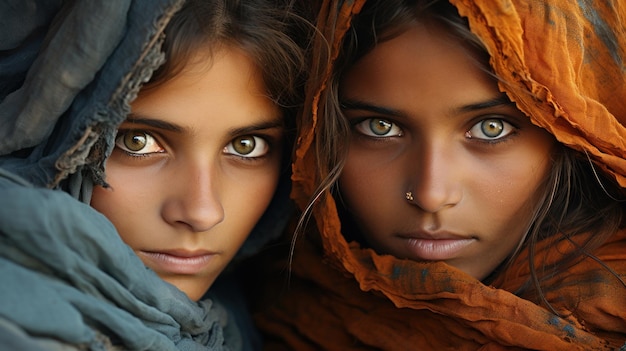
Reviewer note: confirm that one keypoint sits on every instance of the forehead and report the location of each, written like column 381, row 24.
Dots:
column 228, row 92
column 423, row 63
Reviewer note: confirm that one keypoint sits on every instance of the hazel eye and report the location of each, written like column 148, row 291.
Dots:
column 137, row 142
column 490, row 129
column 378, row 128
column 247, row 146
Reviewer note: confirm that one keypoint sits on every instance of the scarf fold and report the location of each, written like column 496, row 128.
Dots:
column 69, row 81
column 567, row 61
column 68, row 276
column 433, row 306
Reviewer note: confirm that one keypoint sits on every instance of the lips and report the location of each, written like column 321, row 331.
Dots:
column 436, row 246
column 177, row 261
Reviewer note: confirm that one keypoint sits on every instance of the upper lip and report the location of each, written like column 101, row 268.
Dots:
column 437, row 235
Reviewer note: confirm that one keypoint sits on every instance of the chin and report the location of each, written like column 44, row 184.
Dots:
column 191, row 287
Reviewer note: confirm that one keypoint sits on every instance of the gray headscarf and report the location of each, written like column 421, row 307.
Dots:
column 68, row 72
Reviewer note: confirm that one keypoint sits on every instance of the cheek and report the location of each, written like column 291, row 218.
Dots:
column 249, row 198
column 510, row 192
column 368, row 193
column 260, row 196
column 99, row 199
column 128, row 193
column 353, row 183
column 527, row 182
column 360, row 170
column 246, row 204
column 262, row 183
column 129, row 197
column 113, row 207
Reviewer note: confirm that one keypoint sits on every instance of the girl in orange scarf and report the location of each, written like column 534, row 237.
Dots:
column 475, row 156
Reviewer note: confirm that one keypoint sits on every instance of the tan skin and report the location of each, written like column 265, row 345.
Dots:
column 427, row 120
column 194, row 168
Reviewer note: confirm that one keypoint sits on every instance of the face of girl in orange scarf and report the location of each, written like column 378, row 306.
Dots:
column 441, row 165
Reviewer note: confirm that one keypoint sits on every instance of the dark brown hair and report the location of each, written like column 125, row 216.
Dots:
column 271, row 32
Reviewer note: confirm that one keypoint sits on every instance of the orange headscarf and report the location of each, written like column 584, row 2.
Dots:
column 569, row 55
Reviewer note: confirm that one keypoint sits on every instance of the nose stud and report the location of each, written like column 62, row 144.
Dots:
column 409, row 196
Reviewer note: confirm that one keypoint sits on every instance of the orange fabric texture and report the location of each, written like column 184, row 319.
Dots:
column 569, row 56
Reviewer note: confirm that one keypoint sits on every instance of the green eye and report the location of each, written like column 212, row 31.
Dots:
column 244, row 145
column 380, row 126
column 492, row 127
column 135, row 140
column 248, row 146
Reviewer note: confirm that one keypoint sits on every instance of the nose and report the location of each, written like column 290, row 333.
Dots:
column 193, row 199
column 435, row 179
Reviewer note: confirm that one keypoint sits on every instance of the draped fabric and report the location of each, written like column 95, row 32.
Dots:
column 570, row 57
column 68, row 73
column 564, row 62
column 67, row 276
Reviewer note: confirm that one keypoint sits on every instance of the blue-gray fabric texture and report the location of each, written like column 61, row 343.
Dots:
column 68, row 72
column 67, row 274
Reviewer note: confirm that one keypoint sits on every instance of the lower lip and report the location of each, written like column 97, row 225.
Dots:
column 162, row 262
column 437, row 250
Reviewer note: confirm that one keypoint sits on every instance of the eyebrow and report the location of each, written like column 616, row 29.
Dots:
column 352, row 104
column 500, row 100
column 276, row 122
column 156, row 123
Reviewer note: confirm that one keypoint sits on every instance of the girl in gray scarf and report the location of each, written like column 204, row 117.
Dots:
column 223, row 82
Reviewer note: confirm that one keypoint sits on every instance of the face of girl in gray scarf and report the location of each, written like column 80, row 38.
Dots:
column 194, row 168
